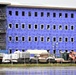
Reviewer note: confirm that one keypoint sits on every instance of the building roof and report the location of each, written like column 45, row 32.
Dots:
column 38, row 6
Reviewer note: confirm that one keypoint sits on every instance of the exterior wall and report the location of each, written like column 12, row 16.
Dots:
column 44, row 20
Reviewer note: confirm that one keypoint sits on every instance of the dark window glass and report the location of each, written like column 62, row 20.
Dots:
column 29, row 13
column 23, row 26
column 10, row 25
column 35, row 38
column 35, row 14
column 16, row 13
column 42, row 39
column 23, row 38
column 66, row 39
column 60, row 27
column 72, row 39
column 72, row 15
column 48, row 14
column 23, row 13
column 16, row 38
column 54, row 39
column 29, row 38
column 48, row 39
column 10, row 51
column 72, row 27
column 60, row 15
column 10, row 38
column 60, row 39
column 16, row 25
column 42, row 26
column 35, row 26
column 66, row 27
column 48, row 27
column 66, row 15
column 54, row 26
column 42, row 14
column 29, row 26
column 10, row 12
column 54, row 14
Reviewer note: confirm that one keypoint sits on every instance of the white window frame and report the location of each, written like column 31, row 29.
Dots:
column 49, row 39
column 28, row 38
column 43, row 26
column 9, row 26
column 47, row 25
column 34, row 26
column 41, row 37
column 21, row 25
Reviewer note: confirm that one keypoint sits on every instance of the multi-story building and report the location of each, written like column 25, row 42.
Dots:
column 37, row 27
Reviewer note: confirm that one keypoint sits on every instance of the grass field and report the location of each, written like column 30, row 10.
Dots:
column 36, row 65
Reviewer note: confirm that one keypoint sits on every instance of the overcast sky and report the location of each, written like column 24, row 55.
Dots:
column 59, row 3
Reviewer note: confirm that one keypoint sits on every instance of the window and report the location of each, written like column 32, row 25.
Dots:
column 72, row 39
column 72, row 15
column 16, row 25
column 48, row 39
column 66, row 15
column 35, row 26
column 66, row 27
column 29, row 13
column 10, row 26
column 42, row 38
column 48, row 14
column 72, row 27
column 35, row 14
column 36, row 39
column 23, row 25
column 54, row 14
column 10, row 12
column 42, row 26
column 29, row 26
column 16, row 38
column 66, row 39
column 60, row 39
column 60, row 15
column 48, row 27
column 29, row 39
column 16, row 13
column 42, row 14
column 10, row 38
column 10, row 51
column 54, row 26
column 60, row 27
column 23, row 13
column 54, row 39
column 23, row 38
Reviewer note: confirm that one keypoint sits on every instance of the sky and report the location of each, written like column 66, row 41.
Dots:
column 58, row 3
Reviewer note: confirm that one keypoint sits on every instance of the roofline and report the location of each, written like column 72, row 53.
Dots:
column 5, row 3
column 47, row 7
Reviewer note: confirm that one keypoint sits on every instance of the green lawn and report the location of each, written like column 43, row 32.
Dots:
column 36, row 65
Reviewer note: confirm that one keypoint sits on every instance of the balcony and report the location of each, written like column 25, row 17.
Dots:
column 2, row 30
